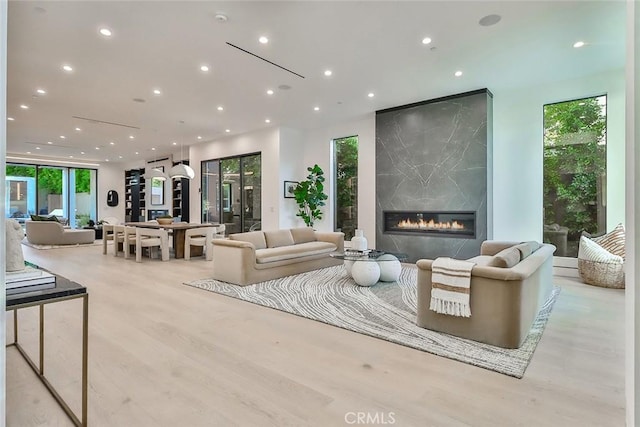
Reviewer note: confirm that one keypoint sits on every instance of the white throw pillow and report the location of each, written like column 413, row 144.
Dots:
column 591, row 251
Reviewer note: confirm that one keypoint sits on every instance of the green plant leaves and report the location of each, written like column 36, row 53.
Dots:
column 310, row 196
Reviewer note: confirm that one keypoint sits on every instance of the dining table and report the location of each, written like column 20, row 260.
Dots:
column 178, row 230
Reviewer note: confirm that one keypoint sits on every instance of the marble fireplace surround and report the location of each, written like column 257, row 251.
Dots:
column 435, row 156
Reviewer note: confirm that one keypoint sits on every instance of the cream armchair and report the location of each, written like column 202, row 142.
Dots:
column 202, row 236
column 149, row 238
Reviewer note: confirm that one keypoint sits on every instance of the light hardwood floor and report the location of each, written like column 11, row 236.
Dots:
column 165, row 354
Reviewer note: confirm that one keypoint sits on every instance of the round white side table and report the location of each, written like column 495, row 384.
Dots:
column 365, row 273
column 389, row 268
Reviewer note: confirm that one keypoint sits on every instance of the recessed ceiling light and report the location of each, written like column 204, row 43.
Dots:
column 267, row 121
column 119, row 157
column 49, row 142
column 41, row 91
column 371, row 95
column 426, row 40
column 578, row 44
column 24, row 107
column 227, row 130
column 174, row 143
column 10, row 119
column 328, row 72
column 316, row 108
column 78, row 129
column 489, row 20
column 82, row 152
column 457, row 73
column 71, row 157
column 137, row 153
column 37, row 148
column 263, row 40
column 156, row 92
column 204, row 68
column 112, row 143
column 220, row 108
column 269, row 92
column 97, row 148
column 28, row 152
column 62, row 137
column 131, row 137
column 153, row 148
column 199, row 137
column 105, row 32
column 67, row 68
column 106, row 160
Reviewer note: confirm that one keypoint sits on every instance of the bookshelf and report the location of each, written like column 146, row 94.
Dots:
column 180, row 197
column 134, row 195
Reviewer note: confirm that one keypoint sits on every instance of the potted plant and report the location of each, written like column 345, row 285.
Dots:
column 310, row 196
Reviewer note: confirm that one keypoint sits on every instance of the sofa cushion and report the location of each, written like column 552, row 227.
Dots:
column 590, row 250
column 613, row 241
column 278, row 238
column 255, row 237
column 264, row 256
column 482, row 260
column 303, row 235
column 506, row 258
column 527, row 248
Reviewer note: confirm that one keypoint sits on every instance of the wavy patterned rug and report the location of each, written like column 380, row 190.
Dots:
column 386, row 311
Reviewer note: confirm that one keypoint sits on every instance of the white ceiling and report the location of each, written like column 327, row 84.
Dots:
column 370, row 47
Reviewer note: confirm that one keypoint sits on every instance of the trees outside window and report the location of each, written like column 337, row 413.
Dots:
column 346, row 185
column 575, row 136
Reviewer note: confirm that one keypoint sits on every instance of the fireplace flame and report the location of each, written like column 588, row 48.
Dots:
column 430, row 225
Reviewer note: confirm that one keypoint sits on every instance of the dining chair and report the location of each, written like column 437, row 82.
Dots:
column 150, row 238
column 220, row 231
column 201, row 236
column 107, row 234
column 124, row 235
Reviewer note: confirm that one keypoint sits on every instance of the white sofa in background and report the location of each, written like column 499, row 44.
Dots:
column 256, row 256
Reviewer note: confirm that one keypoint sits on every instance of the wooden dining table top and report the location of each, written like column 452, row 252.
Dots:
column 172, row 226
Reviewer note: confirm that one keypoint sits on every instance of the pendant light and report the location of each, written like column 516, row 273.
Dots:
column 181, row 170
column 155, row 173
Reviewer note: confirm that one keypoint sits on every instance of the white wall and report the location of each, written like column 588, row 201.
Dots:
column 318, row 150
column 3, row 153
column 265, row 142
column 517, row 152
column 292, row 168
column 111, row 177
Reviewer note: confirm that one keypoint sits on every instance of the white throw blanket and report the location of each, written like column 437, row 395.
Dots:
column 451, row 286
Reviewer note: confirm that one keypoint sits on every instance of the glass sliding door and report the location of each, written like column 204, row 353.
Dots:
column 575, row 171
column 210, row 190
column 231, row 192
column 20, row 192
column 52, row 191
column 251, row 189
column 82, row 200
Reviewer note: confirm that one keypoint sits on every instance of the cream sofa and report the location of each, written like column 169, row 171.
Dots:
column 53, row 233
column 509, row 284
column 256, row 256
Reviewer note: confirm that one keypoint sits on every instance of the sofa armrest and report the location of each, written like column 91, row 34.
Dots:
column 496, row 273
column 233, row 260
column 492, row 247
column 335, row 237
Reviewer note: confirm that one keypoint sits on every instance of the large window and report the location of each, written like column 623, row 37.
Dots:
column 44, row 190
column 346, row 185
column 231, row 192
column 575, row 166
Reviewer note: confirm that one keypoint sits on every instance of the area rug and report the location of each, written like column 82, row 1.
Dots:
column 386, row 311
column 33, row 245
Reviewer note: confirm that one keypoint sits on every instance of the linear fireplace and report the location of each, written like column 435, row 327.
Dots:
column 431, row 223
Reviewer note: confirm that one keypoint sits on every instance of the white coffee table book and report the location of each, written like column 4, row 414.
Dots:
column 28, row 280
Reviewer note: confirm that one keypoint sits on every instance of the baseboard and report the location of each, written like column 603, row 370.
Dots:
column 566, row 267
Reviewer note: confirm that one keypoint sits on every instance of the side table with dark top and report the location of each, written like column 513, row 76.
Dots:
column 63, row 291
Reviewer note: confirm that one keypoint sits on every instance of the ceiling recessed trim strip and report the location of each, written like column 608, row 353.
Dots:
column 266, row 60
column 105, row 122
